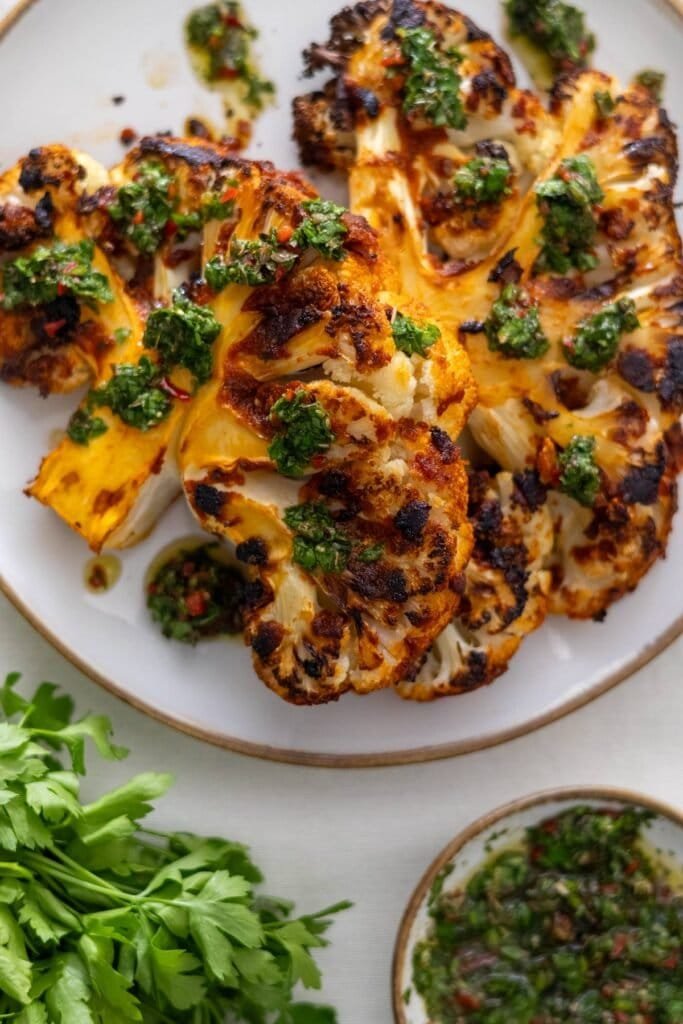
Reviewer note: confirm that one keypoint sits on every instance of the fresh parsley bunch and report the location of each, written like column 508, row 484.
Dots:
column 105, row 922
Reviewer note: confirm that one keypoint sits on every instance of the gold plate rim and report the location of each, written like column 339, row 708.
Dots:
column 610, row 794
column 419, row 755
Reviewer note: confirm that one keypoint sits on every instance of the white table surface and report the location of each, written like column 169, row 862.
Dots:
column 321, row 835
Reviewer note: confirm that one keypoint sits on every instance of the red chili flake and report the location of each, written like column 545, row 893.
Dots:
column 632, row 867
column 97, row 578
column 196, row 603
column 671, row 962
column 621, row 1017
column 53, row 327
column 171, row 228
column 550, row 827
column 467, row 1001
column 284, row 234
column 61, row 288
column 127, row 136
column 174, row 391
column 232, row 21
column 229, row 73
column 318, row 461
column 138, row 217
column 619, row 945
column 229, row 194
column 392, row 61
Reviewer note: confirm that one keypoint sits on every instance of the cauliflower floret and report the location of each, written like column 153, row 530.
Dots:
column 355, row 541
column 506, row 588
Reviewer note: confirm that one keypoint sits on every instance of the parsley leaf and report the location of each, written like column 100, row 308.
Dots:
column 513, row 326
column 483, row 179
column 580, row 476
column 251, row 261
column 654, row 82
column 566, row 203
column 412, row 337
column 132, row 393
column 318, row 541
column 102, row 922
column 303, row 432
column 557, row 28
column 597, row 337
column 432, row 87
column 143, row 208
column 83, row 427
column 605, row 104
column 183, row 334
column 322, row 228
column 51, row 271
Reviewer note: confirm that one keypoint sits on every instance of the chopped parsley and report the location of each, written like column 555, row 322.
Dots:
column 193, row 595
column 654, row 82
column 146, row 209
column 412, row 337
column 318, row 541
column 580, row 476
column 322, row 229
column 83, row 427
column 183, row 335
column 513, row 326
column 432, row 86
column 482, row 180
column 133, row 394
column 51, row 271
column 597, row 337
column 303, row 431
column 253, row 262
column 557, row 28
column 221, row 37
column 578, row 924
column 143, row 208
column 566, row 203
column 122, row 334
column 604, row 103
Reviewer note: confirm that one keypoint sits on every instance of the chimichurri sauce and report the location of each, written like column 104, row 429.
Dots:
column 580, row 924
column 193, row 595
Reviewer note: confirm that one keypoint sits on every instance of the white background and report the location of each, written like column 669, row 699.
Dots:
column 367, row 835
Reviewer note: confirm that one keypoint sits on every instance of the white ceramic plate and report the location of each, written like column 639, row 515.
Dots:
column 60, row 65
column 495, row 832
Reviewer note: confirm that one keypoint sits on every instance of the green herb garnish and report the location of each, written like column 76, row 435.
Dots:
column 194, row 595
column 318, row 541
column 412, row 337
column 51, row 271
column 654, row 82
column 514, row 326
column 580, row 476
column 253, row 262
column 105, row 922
column 597, row 337
column 604, row 104
column 122, row 334
column 557, row 28
column 83, row 427
column 133, row 394
column 183, row 334
column 482, row 180
column 143, row 208
column 566, row 202
column 303, row 432
column 575, row 925
column 432, row 86
column 223, row 38
column 322, row 229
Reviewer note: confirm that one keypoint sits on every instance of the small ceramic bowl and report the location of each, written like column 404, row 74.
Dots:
column 497, row 831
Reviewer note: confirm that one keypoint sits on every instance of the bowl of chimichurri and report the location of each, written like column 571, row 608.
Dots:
column 562, row 908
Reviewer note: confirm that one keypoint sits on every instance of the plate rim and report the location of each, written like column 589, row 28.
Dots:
column 613, row 794
column 418, row 755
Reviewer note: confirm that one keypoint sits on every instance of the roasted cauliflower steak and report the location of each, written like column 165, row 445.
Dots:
column 547, row 241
